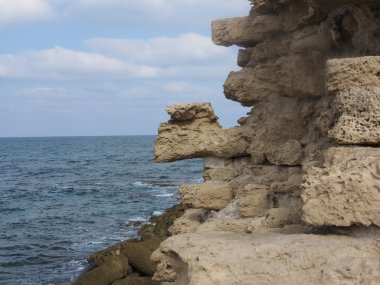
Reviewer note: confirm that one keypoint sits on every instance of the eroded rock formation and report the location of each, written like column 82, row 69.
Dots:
column 291, row 196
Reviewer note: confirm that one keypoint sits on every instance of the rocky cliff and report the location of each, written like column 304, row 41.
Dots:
column 292, row 194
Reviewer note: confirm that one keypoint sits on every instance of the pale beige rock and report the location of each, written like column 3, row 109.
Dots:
column 345, row 190
column 214, row 196
column 278, row 179
column 253, row 200
column 353, row 72
column 191, row 111
column 219, row 169
column 165, row 271
column 280, row 130
column 359, row 116
column 227, row 225
column 189, row 221
column 234, row 31
column 280, row 217
column 195, row 132
column 268, row 258
column 219, row 174
column 252, row 84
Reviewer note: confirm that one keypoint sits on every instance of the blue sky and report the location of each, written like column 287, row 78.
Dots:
column 109, row 67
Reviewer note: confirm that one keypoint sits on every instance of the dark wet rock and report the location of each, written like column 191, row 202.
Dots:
column 132, row 280
column 138, row 254
column 164, row 221
column 115, row 268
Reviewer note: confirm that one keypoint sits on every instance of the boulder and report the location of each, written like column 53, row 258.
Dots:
column 270, row 257
column 138, row 254
column 164, row 221
column 189, row 222
column 193, row 131
column 250, row 85
column 191, row 111
column 115, row 268
column 344, row 191
column 214, row 196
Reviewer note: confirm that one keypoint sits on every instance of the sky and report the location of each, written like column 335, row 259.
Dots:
column 110, row 67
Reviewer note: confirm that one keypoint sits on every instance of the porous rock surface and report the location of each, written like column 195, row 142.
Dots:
column 291, row 195
column 298, row 170
column 355, row 81
column 193, row 131
column 345, row 190
column 268, row 258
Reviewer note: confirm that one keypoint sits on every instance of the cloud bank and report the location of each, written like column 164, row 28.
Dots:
column 24, row 11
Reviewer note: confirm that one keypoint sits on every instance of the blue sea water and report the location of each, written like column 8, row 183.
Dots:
column 63, row 198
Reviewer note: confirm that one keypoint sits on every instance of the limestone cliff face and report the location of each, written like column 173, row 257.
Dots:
column 291, row 196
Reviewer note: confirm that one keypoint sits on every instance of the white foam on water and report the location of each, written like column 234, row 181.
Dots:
column 140, row 184
column 137, row 219
column 94, row 242
column 157, row 213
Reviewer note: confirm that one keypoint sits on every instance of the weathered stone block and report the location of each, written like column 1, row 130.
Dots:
column 234, row 31
column 279, row 130
column 272, row 258
column 191, row 111
column 194, row 131
column 214, row 196
column 345, row 190
column 279, row 179
column 251, row 84
column 243, row 31
column 353, row 72
column 359, row 116
column 189, row 222
column 253, row 200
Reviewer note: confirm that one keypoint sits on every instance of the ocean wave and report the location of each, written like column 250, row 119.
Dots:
column 165, row 195
column 140, row 184
column 157, row 213
column 157, row 183
column 137, row 219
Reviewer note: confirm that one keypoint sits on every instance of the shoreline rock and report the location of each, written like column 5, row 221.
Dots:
column 291, row 195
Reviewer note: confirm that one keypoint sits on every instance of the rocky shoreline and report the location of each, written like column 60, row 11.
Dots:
column 291, row 195
column 129, row 262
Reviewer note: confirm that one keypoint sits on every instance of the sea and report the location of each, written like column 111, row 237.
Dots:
column 63, row 198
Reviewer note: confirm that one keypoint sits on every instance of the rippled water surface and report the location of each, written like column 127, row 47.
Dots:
column 63, row 198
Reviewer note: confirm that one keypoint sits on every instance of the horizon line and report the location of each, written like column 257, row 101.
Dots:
column 72, row 136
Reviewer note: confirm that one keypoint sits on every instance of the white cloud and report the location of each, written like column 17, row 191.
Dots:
column 163, row 12
column 186, row 56
column 3, row 71
column 21, row 11
column 186, row 48
column 59, row 63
